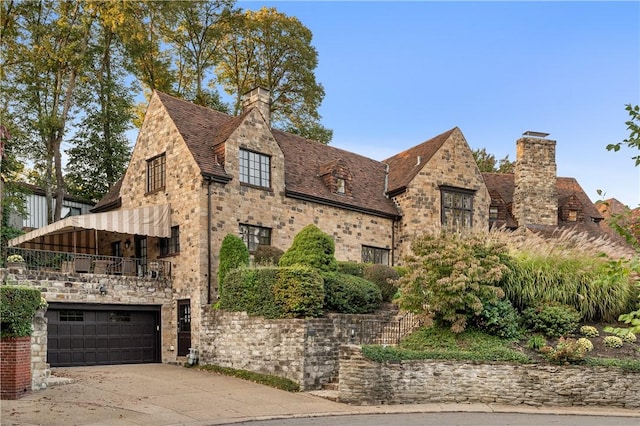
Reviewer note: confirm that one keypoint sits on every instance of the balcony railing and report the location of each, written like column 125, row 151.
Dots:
column 56, row 261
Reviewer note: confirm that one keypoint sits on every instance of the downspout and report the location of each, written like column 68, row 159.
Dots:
column 209, row 242
column 393, row 242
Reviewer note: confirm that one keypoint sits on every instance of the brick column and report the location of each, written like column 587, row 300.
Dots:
column 15, row 367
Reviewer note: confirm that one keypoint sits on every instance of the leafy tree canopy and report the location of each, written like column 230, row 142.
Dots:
column 487, row 162
column 633, row 125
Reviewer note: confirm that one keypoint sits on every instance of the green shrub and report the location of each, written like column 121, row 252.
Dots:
column 18, row 305
column 629, row 337
column 299, row 292
column 499, row 319
column 552, row 320
column 311, row 247
column 250, row 290
column 233, row 254
column 350, row 294
column 267, row 256
column 567, row 351
column 351, row 268
column 452, row 275
column 536, row 342
column 585, row 343
column 589, row 331
column 385, row 278
column 612, row 342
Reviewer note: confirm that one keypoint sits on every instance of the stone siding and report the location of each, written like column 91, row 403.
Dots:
column 85, row 288
column 302, row 350
column 39, row 366
column 535, row 196
column 452, row 165
column 362, row 381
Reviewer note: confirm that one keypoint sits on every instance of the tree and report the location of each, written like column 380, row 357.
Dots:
column 101, row 152
column 45, row 45
column 195, row 33
column 487, row 162
column 633, row 125
column 269, row 49
column 452, row 276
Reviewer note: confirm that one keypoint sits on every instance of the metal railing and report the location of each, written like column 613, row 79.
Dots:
column 378, row 332
column 63, row 262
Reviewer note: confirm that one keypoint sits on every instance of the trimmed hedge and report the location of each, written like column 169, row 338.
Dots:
column 233, row 254
column 385, row 278
column 311, row 247
column 292, row 292
column 18, row 305
column 299, row 292
column 351, row 268
column 350, row 294
column 267, row 256
column 250, row 290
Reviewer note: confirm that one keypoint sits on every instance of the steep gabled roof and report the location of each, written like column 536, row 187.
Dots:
column 201, row 128
column 403, row 167
column 205, row 131
column 303, row 162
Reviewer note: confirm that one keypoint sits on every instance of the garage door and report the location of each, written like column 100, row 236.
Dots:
column 102, row 334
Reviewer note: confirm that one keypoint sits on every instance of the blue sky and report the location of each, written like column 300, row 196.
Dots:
column 398, row 73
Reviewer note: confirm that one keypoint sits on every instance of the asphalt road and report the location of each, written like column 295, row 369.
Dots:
column 451, row 419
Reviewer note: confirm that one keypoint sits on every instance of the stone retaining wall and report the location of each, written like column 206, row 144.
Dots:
column 365, row 382
column 302, row 350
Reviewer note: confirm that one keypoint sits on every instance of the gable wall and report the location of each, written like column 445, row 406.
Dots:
column 452, row 165
column 183, row 189
column 234, row 204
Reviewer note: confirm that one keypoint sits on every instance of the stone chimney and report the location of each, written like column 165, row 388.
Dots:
column 535, row 196
column 258, row 98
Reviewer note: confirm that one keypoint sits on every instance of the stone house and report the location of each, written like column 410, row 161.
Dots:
column 224, row 174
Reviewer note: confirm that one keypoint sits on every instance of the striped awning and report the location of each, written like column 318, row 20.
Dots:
column 154, row 221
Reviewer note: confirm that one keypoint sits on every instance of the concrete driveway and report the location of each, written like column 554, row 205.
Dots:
column 161, row 394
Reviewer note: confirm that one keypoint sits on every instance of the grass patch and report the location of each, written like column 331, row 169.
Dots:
column 442, row 344
column 264, row 379
column 624, row 364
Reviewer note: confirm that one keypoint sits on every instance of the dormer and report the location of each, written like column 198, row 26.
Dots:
column 571, row 210
column 337, row 177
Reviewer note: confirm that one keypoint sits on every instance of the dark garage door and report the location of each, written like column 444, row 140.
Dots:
column 102, row 334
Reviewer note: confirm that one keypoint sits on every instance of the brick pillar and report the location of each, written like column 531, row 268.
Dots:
column 15, row 363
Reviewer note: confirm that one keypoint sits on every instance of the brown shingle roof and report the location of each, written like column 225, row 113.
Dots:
column 202, row 129
column 503, row 184
column 303, row 161
column 403, row 167
column 205, row 131
column 111, row 199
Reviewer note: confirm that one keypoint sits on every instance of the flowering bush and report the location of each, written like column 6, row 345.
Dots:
column 15, row 258
column 613, row 342
column 629, row 338
column 589, row 331
column 585, row 343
